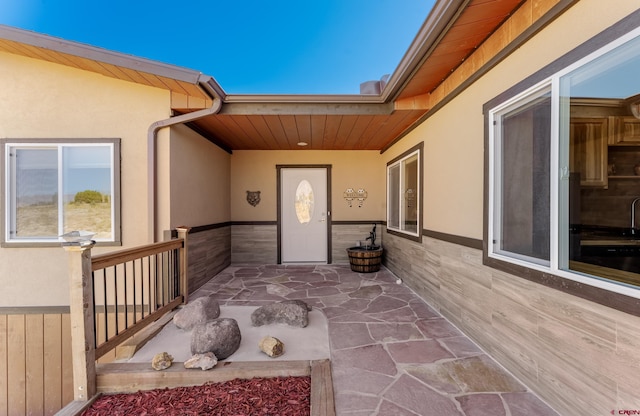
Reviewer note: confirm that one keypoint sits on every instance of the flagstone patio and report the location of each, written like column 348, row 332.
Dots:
column 391, row 353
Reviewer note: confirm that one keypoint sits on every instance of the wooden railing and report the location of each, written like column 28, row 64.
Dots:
column 133, row 288
column 115, row 295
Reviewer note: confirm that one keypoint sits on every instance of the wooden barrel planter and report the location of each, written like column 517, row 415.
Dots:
column 363, row 260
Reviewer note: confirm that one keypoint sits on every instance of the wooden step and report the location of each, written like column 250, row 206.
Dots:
column 131, row 377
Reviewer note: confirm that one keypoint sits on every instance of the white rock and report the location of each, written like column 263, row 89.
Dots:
column 204, row 361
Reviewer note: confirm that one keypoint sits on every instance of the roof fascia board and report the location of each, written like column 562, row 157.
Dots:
column 215, row 87
column 557, row 10
column 304, row 98
column 287, row 108
column 99, row 54
column 442, row 16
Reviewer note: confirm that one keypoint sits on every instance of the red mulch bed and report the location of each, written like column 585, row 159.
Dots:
column 258, row 396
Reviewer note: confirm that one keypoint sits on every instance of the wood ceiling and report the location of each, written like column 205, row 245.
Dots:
column 326, row 131
column 450, row 34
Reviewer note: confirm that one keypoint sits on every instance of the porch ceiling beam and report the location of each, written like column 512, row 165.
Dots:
column 418, row 102
column 306, row 109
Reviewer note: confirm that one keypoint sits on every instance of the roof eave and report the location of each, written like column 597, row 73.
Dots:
column 102, row 55
column 442, row 16
column 303, row 98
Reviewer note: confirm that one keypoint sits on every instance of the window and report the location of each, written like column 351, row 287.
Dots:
column 521, row 211
column 304, row 202
column 563, row 183
column 404, row 194
column 52, row 188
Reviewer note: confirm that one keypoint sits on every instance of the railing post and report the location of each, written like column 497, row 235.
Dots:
column 82, row 319
column 184, row 267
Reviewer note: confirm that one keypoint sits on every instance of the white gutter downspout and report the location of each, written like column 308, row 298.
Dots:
column 152, row 135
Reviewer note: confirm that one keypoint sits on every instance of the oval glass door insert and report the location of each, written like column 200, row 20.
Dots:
column 304, row 202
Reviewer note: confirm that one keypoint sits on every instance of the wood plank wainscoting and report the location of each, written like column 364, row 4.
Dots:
column 209, row 249
column 36, row 376
column 346, row 234
column 256, row 242
column 579, row 356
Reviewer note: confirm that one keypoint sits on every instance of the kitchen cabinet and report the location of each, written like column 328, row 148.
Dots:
column 624, row 131
column 588, row 150
column 623, row 161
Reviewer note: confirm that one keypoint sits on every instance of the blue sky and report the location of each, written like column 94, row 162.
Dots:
column 249, row 47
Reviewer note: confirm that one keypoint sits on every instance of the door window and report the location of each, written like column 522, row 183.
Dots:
column 304, row 202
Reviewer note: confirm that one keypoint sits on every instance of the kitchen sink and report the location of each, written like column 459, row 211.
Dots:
column 612, row 247
column 593, row 233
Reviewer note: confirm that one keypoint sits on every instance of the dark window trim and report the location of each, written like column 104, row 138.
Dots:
column 454, row 239
column 420, row 148
column 117, row 202
column 598, row 295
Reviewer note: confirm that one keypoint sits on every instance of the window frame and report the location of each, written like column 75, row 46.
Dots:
column 613, row 294
column 5, row 177
column 527, row 99
column 416, row 150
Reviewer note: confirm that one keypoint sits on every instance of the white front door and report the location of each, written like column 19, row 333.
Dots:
column 304, row 215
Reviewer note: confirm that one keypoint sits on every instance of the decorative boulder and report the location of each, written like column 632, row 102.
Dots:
column 271, row 346
column 220, row 336
column 161, row 361
column 293, row 313
column 196, row 312
column 203, row 361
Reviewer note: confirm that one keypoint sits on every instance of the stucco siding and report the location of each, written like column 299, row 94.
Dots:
column 579, row 356
column 45, row 100
column 199, row 182
column 256, row 171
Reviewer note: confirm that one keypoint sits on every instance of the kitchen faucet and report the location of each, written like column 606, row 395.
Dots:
column 633, row 215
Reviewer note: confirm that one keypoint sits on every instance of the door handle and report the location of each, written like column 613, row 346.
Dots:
column 323, row 219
